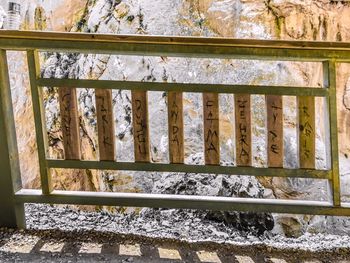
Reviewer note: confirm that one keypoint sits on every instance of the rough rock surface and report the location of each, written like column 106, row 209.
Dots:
column 215, row 185
column 181, row 227
column 58, row 245
column 2, row 17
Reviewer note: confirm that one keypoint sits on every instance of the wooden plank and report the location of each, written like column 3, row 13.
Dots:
column 140, row 125
column 211, row 128
column 70, row 123
column 274, row 110
column 306, row 107
column 243, row 130
column 105, row 124
column 175, row 46
column 175, row 127
column 184, row 87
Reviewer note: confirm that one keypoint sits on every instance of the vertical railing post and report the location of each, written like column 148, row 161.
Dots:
column 329, row 80
column 12, row 213
column 39, row 120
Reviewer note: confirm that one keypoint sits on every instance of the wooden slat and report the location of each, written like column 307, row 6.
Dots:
column 105, row 124
column 70, row 123
column 211, row 128
column 274, row 106
column 243, row 130
column 175, row 127
column 140, row 126
column 306, row 107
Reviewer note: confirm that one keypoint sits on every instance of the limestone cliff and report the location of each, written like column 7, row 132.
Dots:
column 269, row 19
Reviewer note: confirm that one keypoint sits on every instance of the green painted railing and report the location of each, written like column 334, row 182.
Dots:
column 12, row 194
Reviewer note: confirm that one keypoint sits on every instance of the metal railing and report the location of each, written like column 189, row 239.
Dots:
column 13, row 196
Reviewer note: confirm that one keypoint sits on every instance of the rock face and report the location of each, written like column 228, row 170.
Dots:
column 215, row 185
column 2, row 17
column 270, row 19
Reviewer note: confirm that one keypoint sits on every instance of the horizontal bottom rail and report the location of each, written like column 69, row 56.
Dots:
column 190, row 168
column 182, row 201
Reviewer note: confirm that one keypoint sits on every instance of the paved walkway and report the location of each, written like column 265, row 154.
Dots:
column 89, row 246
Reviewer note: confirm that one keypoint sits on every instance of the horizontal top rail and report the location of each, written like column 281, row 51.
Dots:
column 183, row 87
column 176, row 46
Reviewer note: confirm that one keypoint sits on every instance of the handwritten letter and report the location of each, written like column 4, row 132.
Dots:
column 243, row 129
column 140, row 125
column 175, row 126
column 211, row 128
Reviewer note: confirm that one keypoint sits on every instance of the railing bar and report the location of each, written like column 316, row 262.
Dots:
column 182, row 201
column 39, row 120
column 171, row 40
column 187, row 168
column 12, row 214
column 329, row 68
column 184, row 87
column 182, row 47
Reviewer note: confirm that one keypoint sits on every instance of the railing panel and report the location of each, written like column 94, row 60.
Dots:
column 140, row 125
column 327, row 53
column 70, row 123
column 105, row 124
column 175, row 127
column 211, row 128
column 274, row 112
column 243, row 130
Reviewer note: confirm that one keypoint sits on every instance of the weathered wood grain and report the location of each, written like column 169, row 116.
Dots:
column 306, row 107
column 70, row 123
column 243, row 130
column 274, row 110
column 175, row 127
column 211, row 128
column 140, row 126
column 105, row 124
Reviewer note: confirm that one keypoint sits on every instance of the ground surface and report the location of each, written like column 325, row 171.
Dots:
column 63, row 235
column 91, row 246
